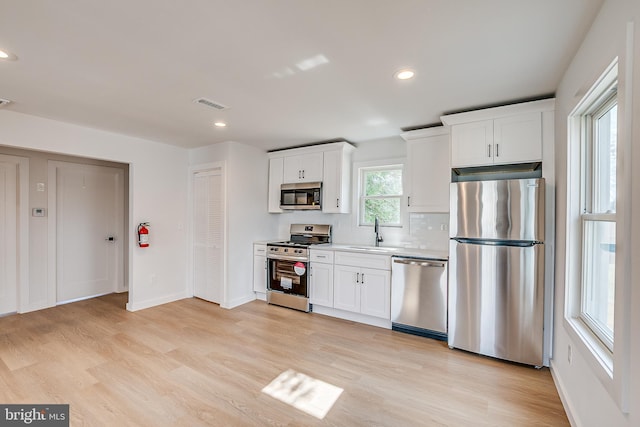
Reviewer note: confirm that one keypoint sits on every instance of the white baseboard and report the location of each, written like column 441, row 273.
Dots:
column 239, row 301
column 141, row 305
column 354, row 317
column 563, row 396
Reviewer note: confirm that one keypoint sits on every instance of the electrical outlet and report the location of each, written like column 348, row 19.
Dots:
column 569, row 354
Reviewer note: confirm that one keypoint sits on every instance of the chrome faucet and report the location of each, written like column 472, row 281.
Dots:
column 376, row 229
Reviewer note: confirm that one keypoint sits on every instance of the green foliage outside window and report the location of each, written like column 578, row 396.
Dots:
column 381, row 194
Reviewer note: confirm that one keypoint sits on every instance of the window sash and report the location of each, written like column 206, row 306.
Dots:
column 363, row 197
column 592, row 280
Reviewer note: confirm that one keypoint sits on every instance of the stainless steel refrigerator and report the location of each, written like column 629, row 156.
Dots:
column 496, row 269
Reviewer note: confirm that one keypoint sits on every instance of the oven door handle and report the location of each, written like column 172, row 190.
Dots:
column 288, row 258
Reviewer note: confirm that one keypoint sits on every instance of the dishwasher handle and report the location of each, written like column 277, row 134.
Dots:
column 419, row 262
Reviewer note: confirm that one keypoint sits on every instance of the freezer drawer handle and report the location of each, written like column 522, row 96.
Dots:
column 419, row 263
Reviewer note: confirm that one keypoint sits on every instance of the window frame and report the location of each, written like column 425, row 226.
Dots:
column 612, row 370
column 358, row 172
column 589, row 173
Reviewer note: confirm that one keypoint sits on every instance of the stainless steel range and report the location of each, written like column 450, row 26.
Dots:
column 288, row 265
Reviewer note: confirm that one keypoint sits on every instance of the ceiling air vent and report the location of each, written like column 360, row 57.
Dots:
column 210, row 103
column 4, row 102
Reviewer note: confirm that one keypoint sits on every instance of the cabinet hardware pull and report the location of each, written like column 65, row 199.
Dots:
column 497, row 150
column 299, row 174
column 488, row 150
column 408, row 201
column 357, row 277
column 337, row 203
column 362, row 279
column 302, row 173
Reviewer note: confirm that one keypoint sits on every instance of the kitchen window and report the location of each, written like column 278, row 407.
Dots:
column 597, row 281
column 381, row 194
column 598, row 217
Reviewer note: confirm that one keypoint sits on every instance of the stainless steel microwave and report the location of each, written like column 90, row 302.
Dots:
column 303, row 196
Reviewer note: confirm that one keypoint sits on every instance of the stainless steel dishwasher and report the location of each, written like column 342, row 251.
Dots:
column 419, row 296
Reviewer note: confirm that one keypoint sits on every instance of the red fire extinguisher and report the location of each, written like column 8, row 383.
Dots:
column 143, row 235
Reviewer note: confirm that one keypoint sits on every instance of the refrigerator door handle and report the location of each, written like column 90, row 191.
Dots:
column 518, row 243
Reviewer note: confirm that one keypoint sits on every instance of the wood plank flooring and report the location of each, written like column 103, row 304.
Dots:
column 191, row 363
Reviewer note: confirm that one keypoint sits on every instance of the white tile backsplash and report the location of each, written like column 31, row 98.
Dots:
column 428, row 231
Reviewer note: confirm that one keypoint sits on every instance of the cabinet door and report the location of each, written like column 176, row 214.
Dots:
column 518, row 138
column 335, row 184
column 276, row 171
column 375, row 293
column 472, row 144
column 260, row 273
column 321, row 284
column 346, row 291
column 303, row 168
column 429, row 174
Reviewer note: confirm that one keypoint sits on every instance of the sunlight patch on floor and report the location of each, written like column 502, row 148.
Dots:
column 307, row 394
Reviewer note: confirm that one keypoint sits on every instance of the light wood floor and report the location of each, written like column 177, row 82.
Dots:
column 192, row 363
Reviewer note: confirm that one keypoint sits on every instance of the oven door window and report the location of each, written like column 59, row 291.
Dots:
column 288, row 276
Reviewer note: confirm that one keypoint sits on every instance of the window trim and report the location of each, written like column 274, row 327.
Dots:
column 611, row 369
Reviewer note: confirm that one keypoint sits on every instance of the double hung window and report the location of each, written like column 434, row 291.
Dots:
column 381, row 195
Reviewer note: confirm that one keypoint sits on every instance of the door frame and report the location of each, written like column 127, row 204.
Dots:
column 22, row 238
column 193, row 170
column 121, row 261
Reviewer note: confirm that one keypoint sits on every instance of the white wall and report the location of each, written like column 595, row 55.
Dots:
column 246, row 170
column 588, row 399
column 157, row 193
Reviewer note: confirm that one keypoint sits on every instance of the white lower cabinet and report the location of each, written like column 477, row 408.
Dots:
column 361, row 289
column 321, row 284
column 321, row 278
column 260, row 268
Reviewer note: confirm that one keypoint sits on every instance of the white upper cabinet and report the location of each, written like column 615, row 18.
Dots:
column 500, row 135
column 327, row 163
column 518, row 138
column 336, row 184
column 276, row 171
column 472, row 143
column 429, row 170
column 303, row 168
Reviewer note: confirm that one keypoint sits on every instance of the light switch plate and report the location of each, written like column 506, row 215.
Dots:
column 38, row 212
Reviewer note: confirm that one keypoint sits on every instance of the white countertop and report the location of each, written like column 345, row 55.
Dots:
column 386, row 250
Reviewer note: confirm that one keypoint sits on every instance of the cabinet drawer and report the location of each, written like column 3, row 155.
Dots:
column 381, row 262
column 260, row 249
column 321, row 256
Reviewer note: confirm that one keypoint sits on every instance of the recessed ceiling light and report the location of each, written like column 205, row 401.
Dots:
column 220, row 124
column 3, row 54
column 405, row 74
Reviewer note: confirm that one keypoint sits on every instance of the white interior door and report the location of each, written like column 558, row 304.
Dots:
column 89, row 217
column 8, row 238
column 208, row 235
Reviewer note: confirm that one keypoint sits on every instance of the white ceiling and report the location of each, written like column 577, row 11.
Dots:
column 135, row 66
